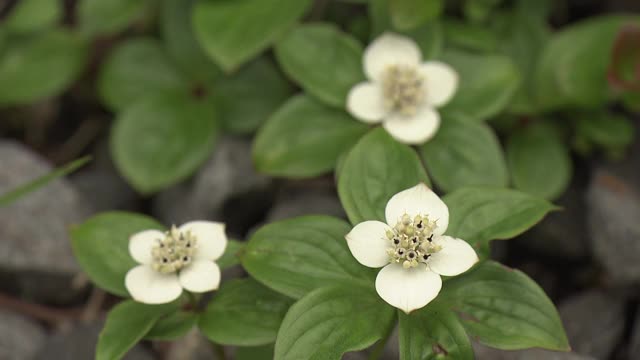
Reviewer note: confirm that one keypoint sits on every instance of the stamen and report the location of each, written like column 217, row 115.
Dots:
column 412, row 241
column 174, row 251
column 403, row 89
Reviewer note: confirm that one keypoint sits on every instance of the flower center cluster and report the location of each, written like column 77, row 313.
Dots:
column 412, row 241
column 174, row 251
column 403, row 89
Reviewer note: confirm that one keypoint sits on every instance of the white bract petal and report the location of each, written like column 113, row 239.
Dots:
column 390, row 49
column 151, row 287
column 418, row 200
column 366, row 102
column 140, row 245
column 440, row 81
column 413, row 129
column 212, row 240
column 455, row 257
column 200, row 276
column 368, row 243
column 413, row 246
column 407, row 289
column 176, row 259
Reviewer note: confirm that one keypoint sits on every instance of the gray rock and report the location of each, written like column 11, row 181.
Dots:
column 543, row 276
column 392, row 347
column 594, row 321
column 634, row 345
column 79, row 343
column 34, row 244
column 614, row 226
column 356, row 355
column 561, row 233
column 483, row 352
column 105, row 190
column 499, row 250
column 295, row 201
column 228, row 174
column 20, row 338
column 192, row 346
column 102, row 185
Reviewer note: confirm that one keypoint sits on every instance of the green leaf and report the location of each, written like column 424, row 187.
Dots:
column 137, row 69
column 106, row 17
column 33, row 185
column 503, row 308
column 172, row 326
column 33, row 15
column 409, row 14
column 162, row 140
column 245, row 99
column 233, row 32
column 433, row 332
column 231, row 254
column 477, row 11
column 473, row 37
column 330, row 321
column 264, row 352
column 605, row 129
column 377, row 168
column 631, row 101
column 539, row 161
column 326, row 62
column 487, row 84
column 101, row 246
column 181, row 44
column 430, row 39
column 379, row 17
column 40, row 66
column 481, row 214
column 572, row 70
column 298, row 255
column 522, row 37
column 429, row 36
column 127, row 323
column 244, row 313
column 3, row 38
column 541, row 9
column 304, row 139
column 464, row 153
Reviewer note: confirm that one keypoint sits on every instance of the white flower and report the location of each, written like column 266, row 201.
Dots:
column 402, row 92
column 411, row 249
column 179, row 258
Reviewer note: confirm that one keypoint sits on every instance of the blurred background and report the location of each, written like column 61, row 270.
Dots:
column 56, row 107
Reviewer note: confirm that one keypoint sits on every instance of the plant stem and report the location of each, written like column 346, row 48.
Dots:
column 219, row 351
column 318, row 10
column 379, row 347
column 193, row 300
